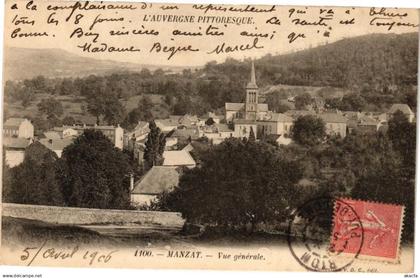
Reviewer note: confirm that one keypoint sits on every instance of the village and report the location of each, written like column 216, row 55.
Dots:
column 182, row 132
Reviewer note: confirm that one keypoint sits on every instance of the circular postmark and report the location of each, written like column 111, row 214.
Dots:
column 325, row 234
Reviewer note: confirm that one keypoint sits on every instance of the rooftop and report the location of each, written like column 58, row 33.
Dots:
column 223, row 128
column 278, row 117
column 16, row 143
column 157, row 180
column 332, row 118
column 244, row 121
column 14, row 122
column 57, row 144
column 178, row 158
column 82, row 127
column 400, row 107
column 298, row 113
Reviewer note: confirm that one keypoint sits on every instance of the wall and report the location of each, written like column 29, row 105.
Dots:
column 14, row 157
column 26, row 129
column 85, row 216
column 142, row 199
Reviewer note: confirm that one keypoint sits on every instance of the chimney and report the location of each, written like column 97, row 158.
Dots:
column 131, row 182
column 50, row 141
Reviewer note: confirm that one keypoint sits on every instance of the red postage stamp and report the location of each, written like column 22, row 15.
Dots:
column 381, row 226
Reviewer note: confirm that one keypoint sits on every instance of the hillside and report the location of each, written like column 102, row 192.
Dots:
column 376, row 60
column 26, row 63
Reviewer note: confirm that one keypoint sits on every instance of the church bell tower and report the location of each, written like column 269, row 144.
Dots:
column 251, row 102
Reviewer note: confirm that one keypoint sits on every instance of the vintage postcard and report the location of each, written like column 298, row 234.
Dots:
column 209, row 136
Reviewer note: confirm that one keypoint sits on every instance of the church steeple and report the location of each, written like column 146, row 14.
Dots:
column 251, row 102
column 252, row 83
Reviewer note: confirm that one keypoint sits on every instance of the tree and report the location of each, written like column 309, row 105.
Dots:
column 238, row 183
column 352, row 102
column 308, row 130
column 155, row 146
column 102, row 100
column 114, row 112
column 303, row 100
column 95, row 174
column 402, row 134
column 26, row 97
column 35, row 180
column 389, row 179
column 210, row 122
column 50, row 107
column 143, row 112
column 68, row 120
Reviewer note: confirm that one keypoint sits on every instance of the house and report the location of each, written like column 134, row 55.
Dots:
column 167, row 125
column 368, row 125
column 14, row 149
column 157, row 180
column 57, row 145
column 52, row 135
column 18, row 127
column 275, row 123
column 179, row 158
column 188, row 120
column 62, row 131
column 404, row 108
column 113, row 133
column 216, row 118
column 217, row 133
column 186, row 134
column 335, row 124
column 243, row 128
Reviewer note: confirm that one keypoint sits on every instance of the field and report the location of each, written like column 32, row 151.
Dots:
column 75, row 106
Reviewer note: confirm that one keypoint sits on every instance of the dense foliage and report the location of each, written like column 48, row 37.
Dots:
column 91, row 173
column 94, row 173
column 239, row 182
column 35, row 180
column 308, row 130
column 154, row 147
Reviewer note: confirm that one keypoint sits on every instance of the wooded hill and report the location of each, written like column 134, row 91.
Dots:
column 376, row 61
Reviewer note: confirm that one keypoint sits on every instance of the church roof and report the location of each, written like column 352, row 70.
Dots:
column 232, row 106
column 279, row 117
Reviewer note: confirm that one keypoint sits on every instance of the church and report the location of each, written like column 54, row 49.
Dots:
column 251, row 109
column 255, row 116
